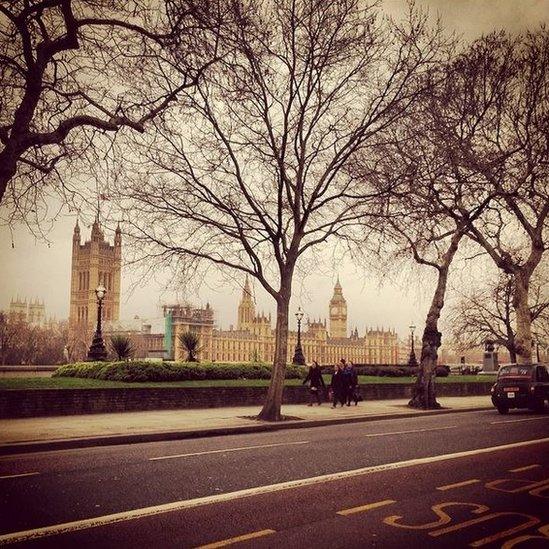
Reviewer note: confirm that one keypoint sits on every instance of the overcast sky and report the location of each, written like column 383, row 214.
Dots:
column 33, row 268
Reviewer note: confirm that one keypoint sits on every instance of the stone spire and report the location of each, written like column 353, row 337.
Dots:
column 246, row 308
column 76, row 233
column 118, row 236
column 96, row 234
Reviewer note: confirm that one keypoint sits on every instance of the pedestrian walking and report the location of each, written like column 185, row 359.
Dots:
column 316, row 383
column 351, row 383
column 338, row 386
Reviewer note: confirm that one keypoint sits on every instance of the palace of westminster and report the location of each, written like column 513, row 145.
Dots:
column 96, row 262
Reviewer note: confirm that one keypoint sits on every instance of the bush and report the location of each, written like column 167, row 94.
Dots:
column 122, row 347
column 374, row 370
column 171, row 371
column 442, row 371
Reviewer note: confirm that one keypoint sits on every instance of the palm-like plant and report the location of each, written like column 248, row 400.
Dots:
column 122, row 346
column 190, row 341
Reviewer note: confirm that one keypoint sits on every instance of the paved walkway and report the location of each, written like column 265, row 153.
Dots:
column 14, row 431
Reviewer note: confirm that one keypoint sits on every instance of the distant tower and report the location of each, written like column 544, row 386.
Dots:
column 18, row 310
column 338, row 313
column 246, row 308
column 36, row 313
column 93, row 263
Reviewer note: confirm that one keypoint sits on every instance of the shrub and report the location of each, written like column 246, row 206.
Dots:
column 442, row 371
column 122, row 346
column 381, row 370
column 190, row 342
column 136, row 371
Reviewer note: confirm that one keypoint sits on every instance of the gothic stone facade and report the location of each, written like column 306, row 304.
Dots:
column 33, row 312
column 254, row 337
column 94, row 262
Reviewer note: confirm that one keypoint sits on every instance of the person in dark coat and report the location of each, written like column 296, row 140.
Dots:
column 316, row 383
column 351, row 383
column 338, row 386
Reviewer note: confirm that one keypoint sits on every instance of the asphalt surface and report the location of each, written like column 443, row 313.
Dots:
column 71, row 485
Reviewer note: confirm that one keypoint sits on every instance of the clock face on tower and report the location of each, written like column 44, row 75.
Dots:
column 335, row 310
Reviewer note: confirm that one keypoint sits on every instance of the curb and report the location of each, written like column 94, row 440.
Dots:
column 137, row 438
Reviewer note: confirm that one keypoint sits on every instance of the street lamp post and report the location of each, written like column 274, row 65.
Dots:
column 298, row 354
column 97, row 348
column 412, row 361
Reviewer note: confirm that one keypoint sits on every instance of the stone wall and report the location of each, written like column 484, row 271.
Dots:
column 53, row 402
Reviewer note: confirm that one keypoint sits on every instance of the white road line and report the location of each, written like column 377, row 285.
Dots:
column 517, row 420
column 410, row 431
column 229, row 450
column 68, row 527
column 19, row 475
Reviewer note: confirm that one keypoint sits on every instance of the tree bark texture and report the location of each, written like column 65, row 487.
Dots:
column 273, row 401
column 424, row 392
column 523, row 338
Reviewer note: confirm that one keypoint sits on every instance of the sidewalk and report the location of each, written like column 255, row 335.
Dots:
column 59, row 432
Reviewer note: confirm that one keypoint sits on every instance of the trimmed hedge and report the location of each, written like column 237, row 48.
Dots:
column 136, row 371
column 382, row 371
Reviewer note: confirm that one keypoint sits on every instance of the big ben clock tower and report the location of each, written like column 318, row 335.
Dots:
column 338, row 313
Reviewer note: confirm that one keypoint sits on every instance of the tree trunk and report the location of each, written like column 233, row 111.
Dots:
column 424, row 393
column 523, row 337
column 273, row 401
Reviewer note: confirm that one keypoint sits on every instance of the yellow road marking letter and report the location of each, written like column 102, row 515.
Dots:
column 458, row 484
column 366, row 507
column 237, row 539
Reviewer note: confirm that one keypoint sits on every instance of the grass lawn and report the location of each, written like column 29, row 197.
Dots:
column 82, row 383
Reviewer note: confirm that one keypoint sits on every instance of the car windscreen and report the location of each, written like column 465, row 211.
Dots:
column 524, row 372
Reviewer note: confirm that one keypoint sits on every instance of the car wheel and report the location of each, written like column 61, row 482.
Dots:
column 503, row 409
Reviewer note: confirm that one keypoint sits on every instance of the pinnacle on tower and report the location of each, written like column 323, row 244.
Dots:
column 76, row 233
column 118, row 235
column 247, row 285
column 96, row 231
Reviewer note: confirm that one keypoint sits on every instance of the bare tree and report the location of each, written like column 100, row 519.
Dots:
column 419, row 227
column 72, row 71
column 487, row 313
column 500, row 89
column 258, row 181
column 8, row 336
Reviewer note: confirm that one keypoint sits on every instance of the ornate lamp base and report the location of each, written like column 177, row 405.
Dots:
column 97, row 348
column 412, row 361
column 298, row 356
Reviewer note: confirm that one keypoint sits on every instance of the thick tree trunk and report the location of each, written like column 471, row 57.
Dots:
column 523, row 337
column 424, row 393
column 273, row 401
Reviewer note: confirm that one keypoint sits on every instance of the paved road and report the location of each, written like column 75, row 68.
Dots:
column 60, row 487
